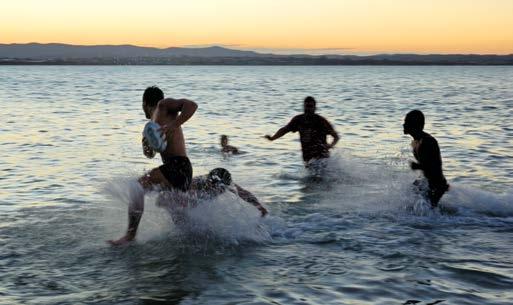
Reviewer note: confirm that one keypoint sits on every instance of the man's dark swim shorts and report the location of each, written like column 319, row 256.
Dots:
column 178, row 172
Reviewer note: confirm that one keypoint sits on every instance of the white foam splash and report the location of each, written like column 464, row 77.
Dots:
column 124, row 189
column 469, row 200
column 225, row 219
column 363, row 187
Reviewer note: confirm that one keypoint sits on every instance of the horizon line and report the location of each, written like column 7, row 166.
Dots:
column 265, row 50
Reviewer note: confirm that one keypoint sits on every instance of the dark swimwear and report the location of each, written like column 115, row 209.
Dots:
column 432, row 192
column 178, row 172
column 313, row 130
column 435, row 193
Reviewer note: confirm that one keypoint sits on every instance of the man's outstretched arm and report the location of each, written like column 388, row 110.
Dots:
column 291, row 126
column 280, row 133
column 250, row 198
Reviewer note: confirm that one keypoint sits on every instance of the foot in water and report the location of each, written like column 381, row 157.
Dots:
column 122, row 241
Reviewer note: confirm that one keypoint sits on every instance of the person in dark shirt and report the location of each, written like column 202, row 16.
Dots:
column 313, row 130
column 426, row 151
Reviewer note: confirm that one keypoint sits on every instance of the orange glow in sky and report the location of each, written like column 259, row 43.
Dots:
column 327, row 26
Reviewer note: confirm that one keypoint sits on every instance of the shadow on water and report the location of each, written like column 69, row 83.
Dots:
column 71, row 263
column 162, row 273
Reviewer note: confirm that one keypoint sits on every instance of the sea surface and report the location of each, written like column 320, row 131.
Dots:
column 70, row 151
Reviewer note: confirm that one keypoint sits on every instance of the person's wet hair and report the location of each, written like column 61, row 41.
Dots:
column 310, row 99
column 415, row 119
column 152, row 95
column 220, row 175
column 309, row 105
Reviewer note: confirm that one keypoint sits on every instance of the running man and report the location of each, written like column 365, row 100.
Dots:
column 313, row 130
column 176, row 172
column 426, row 151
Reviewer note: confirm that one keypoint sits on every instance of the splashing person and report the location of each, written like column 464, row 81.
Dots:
column 163, row 134
column 218, row 181
column 426, row 151
column 313, row 130
column 225, row 148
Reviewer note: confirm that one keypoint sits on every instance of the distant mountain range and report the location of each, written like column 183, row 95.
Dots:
column 66, row 51
column 56, row 53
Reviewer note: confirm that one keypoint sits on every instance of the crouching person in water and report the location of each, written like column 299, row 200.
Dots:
column 427, row 153
column 216, row 182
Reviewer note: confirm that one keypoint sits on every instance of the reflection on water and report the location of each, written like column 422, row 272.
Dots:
column 358, row 235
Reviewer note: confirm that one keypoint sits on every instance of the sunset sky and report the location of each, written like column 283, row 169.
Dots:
column 281, row 26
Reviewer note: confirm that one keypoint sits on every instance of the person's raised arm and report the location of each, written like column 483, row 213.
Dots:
column 185, row 107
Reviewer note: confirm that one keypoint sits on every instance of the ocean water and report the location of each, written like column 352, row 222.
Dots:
column 70, row 152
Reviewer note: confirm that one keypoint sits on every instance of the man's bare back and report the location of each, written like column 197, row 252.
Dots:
column 166, row 115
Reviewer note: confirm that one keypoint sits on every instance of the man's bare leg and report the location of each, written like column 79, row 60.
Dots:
column 136, row 204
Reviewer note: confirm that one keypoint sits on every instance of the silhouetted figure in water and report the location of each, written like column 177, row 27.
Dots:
column 225, row 148
column 313, row 130
column 427, row 153
column 217, row 182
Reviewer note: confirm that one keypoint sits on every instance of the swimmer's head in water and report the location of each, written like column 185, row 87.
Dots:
column 309, row 105
column 413, row 122
column 224, row 140
column 151, row 96
column 219, row 175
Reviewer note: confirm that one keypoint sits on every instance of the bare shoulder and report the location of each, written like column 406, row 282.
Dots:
column 429, row 141
column 427, row 138
column 176, row 100
column 322, row 118
column 173, row 104
column 298, row 119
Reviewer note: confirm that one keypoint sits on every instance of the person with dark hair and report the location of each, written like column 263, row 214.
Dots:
column 225, row 148
column 313, row 130
column 162, row 134
column 217, row 181
column 151, row 96
column 426, row 151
